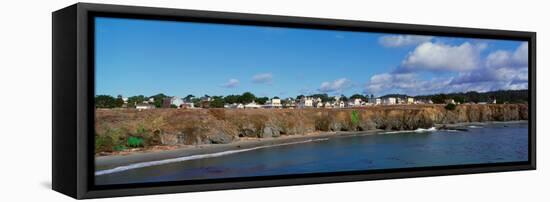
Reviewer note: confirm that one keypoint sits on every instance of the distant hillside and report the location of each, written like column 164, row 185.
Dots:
column 502, row 96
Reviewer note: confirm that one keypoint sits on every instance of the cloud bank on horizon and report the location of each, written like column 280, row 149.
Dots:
column 469, row 71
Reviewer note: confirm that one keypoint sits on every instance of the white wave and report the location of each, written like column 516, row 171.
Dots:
column 419, row 130
column 451, row 130
column 193, row 157
column 473, row 126
column 399, row 131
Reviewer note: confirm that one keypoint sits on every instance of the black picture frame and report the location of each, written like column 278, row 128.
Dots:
column 73, row 99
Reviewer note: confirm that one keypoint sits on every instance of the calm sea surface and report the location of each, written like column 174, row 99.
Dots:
column 505, row 142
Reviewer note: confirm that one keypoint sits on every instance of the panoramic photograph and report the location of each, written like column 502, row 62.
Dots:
column 179, row 101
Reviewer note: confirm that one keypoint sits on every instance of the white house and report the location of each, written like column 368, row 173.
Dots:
column 187, row 105
column 141, row 106
column 410, row 100
column 389, row 101
column 176, row 101
column 357, row 102
column 319, row 104
column 234, row 106
column 340, row 104
column 305, row 102
column 206, row 98
column 375, row 101
column 290, row 103
column 450, row 101
column 273, row 103
column 328, row 105
column 252, row 105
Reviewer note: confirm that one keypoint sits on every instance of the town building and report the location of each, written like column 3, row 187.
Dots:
column 252, row 105
column 357, row 102
column 328, row 105
column 142, row 106
column 187, row 105
column 389, row 101
column 273, row 103
column 305, row 102
column 172, row 101
column 450, row 101
column 234, row 106
column 340, row 104
column 375, row 101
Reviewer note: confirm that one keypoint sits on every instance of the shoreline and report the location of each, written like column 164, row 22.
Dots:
column 113, row 161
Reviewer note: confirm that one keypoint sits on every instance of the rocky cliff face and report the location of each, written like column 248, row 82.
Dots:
column 219, row 126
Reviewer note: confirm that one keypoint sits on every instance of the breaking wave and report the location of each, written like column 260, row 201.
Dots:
column 419, row 130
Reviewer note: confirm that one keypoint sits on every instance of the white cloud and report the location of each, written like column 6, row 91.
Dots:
column 517, row 58
column 232, row 83
column 502, row 70
column 262, row 78
column 442, row 57
column 403, row 40
column 522, row 53
column 337, row 85
column 408, row 83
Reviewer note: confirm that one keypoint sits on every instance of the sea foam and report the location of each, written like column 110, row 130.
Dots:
column 418, row 130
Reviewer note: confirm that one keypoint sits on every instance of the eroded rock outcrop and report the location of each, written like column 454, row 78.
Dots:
column 221, row 126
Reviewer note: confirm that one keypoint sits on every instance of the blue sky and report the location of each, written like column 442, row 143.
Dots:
column 147, row 57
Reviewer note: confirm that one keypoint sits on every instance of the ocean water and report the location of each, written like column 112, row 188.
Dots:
column 489, row 143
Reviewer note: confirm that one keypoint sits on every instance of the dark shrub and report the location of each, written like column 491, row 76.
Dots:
column 450, row 106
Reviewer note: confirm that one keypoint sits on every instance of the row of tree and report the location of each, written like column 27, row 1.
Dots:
column 502, row 96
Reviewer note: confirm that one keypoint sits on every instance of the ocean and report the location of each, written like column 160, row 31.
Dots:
column 486, row 143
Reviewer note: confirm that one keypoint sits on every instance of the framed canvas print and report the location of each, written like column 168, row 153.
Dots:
column 155, row 100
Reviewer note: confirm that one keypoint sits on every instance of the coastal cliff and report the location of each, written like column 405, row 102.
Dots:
column 115, row 127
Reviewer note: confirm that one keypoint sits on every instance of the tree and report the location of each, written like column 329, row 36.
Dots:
column 299, row 97
column 196, row 101
column 459, row 98
column 343, row 98
column 262, row 100
column 132, row 101
column 247, row 97
column 358, row 96
column 439, row 98
column 119, row 102
column 276, row 97
column 323, row 96
column 217, row 102
column 230, row 99
column 188, row 97
column 158, row 99
column 105, row 101
column 450, row 106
